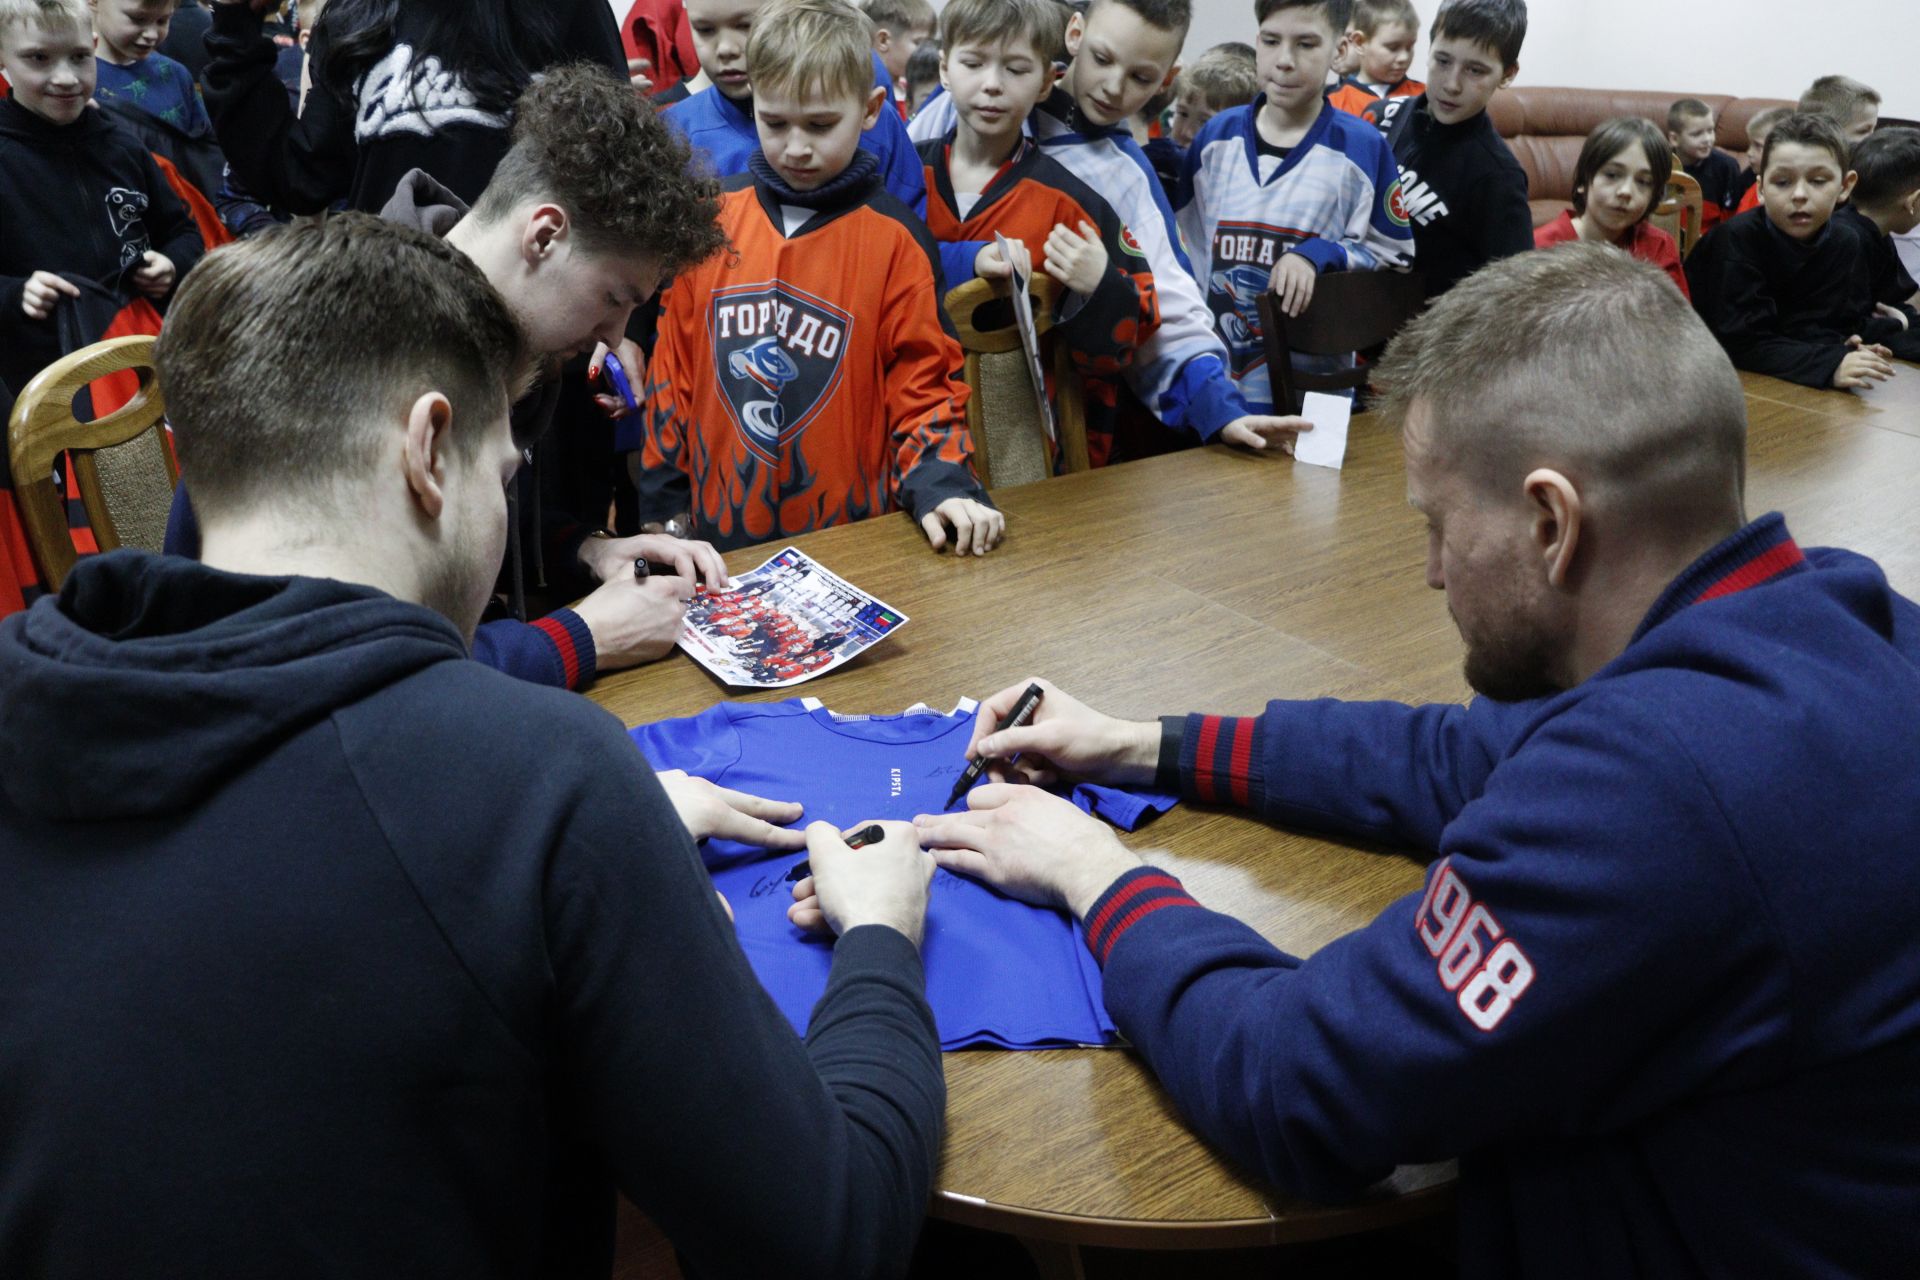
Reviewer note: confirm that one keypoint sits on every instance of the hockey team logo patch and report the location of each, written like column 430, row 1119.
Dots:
column 1131, row 245
column 1244, row 254
column 777, row 353
column 1396, row 206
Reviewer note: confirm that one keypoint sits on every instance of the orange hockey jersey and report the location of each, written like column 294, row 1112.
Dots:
column 806, row 376
column 1030, row 195
column 1354, row 98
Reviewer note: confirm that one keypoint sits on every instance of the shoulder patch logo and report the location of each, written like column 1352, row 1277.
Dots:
column 1397, row 207
column 777, row 354
column 1131, row 245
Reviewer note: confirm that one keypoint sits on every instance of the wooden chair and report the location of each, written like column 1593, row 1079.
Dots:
column 1009, row 438
column 124, row 467
column 1351, row 311
column 1681, row 211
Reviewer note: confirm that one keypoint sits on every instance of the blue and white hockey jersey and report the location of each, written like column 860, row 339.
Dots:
column 1334, row 199
column 999, row 972
column 1176, row 372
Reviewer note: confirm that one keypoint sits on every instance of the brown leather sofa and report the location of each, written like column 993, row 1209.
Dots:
column 1546, row 127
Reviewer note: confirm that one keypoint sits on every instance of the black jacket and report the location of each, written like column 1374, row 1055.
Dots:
column 84, row 199
column 329, row 952
column 1886, row 279
column 359, row 149
column 1782, row 306
column 1461, row 187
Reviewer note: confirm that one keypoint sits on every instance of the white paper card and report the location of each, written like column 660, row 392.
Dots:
column 1326, row 444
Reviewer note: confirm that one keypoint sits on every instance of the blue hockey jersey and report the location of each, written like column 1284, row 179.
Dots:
column 999, row 972
column 1334, row 200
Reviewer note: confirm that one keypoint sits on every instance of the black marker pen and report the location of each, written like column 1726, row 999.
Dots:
column 872, row 833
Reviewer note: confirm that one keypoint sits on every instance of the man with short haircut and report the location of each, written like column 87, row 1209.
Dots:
column 331, row 953
column 1661, row 993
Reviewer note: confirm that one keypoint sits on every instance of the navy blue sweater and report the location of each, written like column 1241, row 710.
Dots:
column 1661, row 994
column 328, row 952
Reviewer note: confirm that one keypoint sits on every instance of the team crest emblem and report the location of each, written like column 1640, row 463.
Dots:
column 1397, row 207
column 1131, row 245
column 777, row 354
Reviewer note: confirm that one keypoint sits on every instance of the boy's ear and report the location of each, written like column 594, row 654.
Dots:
column 1076, row 32
column 1846, row 186
column 882, row 40
column 875, row 100
column 1173, row 73
column 1507, row 81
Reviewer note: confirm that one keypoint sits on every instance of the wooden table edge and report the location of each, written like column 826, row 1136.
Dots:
column 1314, row 1223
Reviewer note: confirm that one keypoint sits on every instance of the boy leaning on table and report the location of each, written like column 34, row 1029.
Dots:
column 1661, row 992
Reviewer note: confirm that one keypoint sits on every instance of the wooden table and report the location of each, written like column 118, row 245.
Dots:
column 1214, row 580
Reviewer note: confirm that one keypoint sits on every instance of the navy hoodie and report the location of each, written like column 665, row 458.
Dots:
column 331, row 953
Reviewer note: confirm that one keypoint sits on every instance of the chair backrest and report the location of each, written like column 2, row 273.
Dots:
column 1681, row 211
column 1003, row 413
column 1351, row 311
column 124, row 467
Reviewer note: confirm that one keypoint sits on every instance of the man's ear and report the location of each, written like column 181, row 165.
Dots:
column 1556, row 508
column 545, row 234
column 428, row 440
column 875, row 101
column 1076, row 32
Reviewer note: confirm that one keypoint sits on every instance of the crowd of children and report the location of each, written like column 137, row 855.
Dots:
column 875, row 154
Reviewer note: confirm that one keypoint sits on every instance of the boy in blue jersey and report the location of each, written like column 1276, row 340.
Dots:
column 1661, row 993
column 1277, row 191
column 1124, row 52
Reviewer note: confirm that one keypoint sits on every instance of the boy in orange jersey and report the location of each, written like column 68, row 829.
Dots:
column 1381, row 35
column 986, row 177
column 808, row 377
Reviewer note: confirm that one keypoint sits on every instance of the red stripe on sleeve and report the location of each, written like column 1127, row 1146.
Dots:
column 1126, row 895
column 1239, row 765
column 1203, row 772
column 1134, row 917
column 1756, row 571
column 569, row 653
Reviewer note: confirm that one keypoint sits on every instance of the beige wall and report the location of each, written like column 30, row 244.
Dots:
column 1751, row 48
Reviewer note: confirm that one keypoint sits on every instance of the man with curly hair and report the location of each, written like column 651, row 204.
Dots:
column 589, row 212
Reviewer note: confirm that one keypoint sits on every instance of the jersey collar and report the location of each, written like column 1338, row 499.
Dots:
column 1759, row 553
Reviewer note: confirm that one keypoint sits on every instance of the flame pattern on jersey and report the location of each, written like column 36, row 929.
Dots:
column 806, row 380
